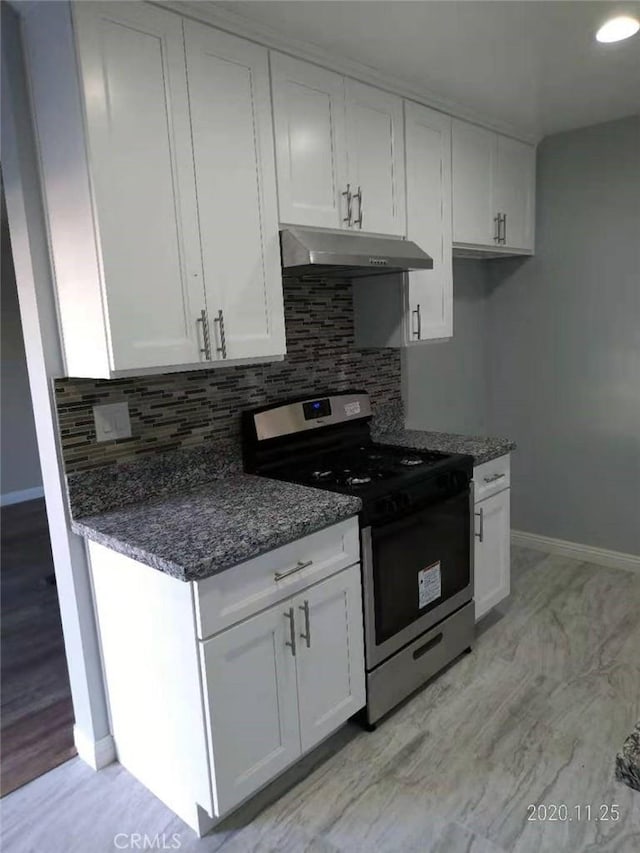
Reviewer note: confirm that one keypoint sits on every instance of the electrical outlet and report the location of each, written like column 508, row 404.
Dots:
column 112, row 421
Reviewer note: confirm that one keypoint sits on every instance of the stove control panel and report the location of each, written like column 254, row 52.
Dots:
column 316, row 409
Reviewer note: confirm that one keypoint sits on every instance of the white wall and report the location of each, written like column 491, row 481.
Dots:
column 20, row 476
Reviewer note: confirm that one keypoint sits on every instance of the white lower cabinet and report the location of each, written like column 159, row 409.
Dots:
column 249, row 679
column 330, row 655
column 216, row 686
column 280, row 682
column 492, row 554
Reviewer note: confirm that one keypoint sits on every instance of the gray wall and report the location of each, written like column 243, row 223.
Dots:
column 564, row 344
column 19, row 464
column 445, row 383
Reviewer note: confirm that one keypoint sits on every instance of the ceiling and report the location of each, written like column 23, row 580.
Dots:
column 533, row 65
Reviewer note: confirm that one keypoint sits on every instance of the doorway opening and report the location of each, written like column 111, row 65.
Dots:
column 36, row 712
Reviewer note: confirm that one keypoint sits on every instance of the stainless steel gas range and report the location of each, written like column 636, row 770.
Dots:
column 415, row 526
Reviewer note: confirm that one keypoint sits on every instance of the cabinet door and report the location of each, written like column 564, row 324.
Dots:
column 492, row 566
column 308, row 109
column 473, row 163
column 135, row 91
column 375, row 141
column 515, row 191
column 237, row 201
column 249, row 678
column 330, row 658
column 430, row 292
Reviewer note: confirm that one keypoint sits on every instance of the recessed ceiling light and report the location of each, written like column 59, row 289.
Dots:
column 618, row 29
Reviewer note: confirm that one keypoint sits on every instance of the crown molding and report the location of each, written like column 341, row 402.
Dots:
column 209, row 12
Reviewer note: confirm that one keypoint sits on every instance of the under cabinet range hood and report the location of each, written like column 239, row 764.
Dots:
column 307, row 253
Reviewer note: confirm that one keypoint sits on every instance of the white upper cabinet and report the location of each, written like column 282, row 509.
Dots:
column 473, row 162
column 236, row 191
column 375, row 147
column 430, row 292
column 139, row 149
column 308, row 106
column 404, row 309
column 515, row 192
column 164, row 231
column 493, row 191
column 339, row 150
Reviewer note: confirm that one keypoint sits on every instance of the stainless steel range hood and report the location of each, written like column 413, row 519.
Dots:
column 325, row 254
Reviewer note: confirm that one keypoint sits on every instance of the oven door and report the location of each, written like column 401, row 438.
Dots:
column 416, row 571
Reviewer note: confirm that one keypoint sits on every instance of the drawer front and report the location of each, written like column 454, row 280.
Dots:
column 239, row 592
column 491, row 477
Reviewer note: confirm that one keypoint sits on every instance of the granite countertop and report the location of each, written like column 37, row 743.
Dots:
column 204, row 530
column 482, row 448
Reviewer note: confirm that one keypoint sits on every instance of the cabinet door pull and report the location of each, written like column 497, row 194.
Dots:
column 222, row 349
column 206, row 349
column 358, row 221
column 495, row 478
column 349, row 198
column 504, row 228
column 497, row 219
column 278, row 576
column 417, row 332
column 480, row 515
column 292, row 631
column 427, row 646
column 306, row 634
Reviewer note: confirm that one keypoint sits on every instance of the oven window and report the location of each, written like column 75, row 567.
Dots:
column 418, row 562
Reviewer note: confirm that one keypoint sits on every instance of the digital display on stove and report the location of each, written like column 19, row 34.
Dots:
column 316, row 409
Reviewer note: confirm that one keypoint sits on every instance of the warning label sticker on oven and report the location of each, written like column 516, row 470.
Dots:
column 429, row 586
column 352, row 408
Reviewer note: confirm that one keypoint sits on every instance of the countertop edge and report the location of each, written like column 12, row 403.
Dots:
column 489, row 447
column 201, row 571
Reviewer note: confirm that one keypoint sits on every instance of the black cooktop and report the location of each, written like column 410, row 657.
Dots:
column 362, row 470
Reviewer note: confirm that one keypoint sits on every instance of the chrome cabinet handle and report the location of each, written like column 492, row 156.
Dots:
column 292, row 631
column 494, row 478
column 496, row 232
column 222, row 349
column 349, row 198
column 358, row 221
column 504, row 228
column 480, row 515
column 206, row 349
column 418, row 330
column 278, row 576
column 306, row 635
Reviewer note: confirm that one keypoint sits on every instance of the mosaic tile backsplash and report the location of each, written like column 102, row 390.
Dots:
column 179, row 410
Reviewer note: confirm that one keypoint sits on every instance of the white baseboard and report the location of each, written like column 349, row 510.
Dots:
column 22, row 495
column 95, row 753
column 584, row 553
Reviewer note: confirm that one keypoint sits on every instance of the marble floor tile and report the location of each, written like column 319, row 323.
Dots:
column 534, row 716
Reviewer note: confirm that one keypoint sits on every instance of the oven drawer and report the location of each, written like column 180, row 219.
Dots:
column 407, row 670
column 239, row 592
column 491, row 477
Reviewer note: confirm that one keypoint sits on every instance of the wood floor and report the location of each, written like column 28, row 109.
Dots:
column 534, row 716
column 36, row 714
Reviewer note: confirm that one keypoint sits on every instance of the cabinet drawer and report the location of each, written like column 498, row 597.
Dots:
column 492, row 477
column 237, row 593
